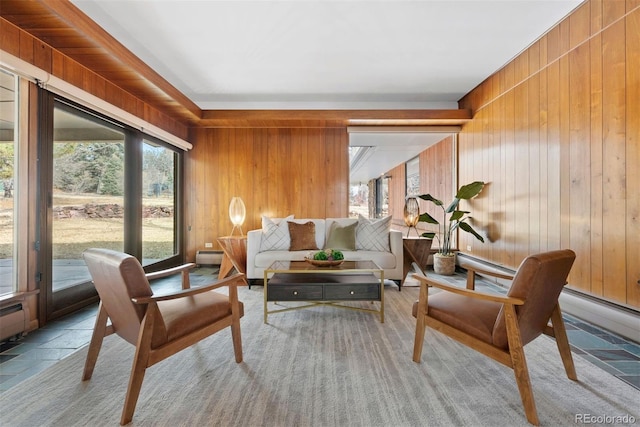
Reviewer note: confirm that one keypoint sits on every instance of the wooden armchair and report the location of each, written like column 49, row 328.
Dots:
column 159, row 326
column 499, row 326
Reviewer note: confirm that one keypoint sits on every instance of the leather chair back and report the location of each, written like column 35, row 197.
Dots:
column 538, row 281
column 119, row 277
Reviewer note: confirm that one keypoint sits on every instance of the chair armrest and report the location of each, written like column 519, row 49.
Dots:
column 229, row 281
column 184, row 269
column 476, row 270
column 427, row 281
column 472, row 271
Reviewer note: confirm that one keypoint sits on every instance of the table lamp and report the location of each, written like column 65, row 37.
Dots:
column 411, row 214
column 237, row 214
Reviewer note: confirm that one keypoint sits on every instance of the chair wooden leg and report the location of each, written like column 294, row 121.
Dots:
column 418, row 341
column 237, row 340
column 519, row 363
column 140, row 363
column 235, row 323
column 562, row 342
column 99, row 332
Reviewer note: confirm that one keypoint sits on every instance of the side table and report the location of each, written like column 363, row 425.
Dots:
column 234, row 255
column 415, row 250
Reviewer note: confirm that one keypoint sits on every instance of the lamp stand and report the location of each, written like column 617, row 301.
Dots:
column 236, row 227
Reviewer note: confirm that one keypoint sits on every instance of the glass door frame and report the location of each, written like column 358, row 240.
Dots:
column 73, row 298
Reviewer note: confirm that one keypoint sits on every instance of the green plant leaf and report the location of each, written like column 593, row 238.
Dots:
column 466, row 227
column 453, row 206
column 456, row 215
column 428, row 235
column 430, row 198
column 425, row 217
column 470, row 190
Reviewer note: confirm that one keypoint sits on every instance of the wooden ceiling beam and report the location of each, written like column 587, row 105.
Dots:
column 332, row 118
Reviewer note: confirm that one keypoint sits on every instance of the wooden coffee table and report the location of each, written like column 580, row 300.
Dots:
column 302, row 281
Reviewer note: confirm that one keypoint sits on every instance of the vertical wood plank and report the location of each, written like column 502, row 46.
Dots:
column 633, row 156
column 565, row 156
column 597, row 208
column 554, row 158
column 612, row 10
column 534, row 191
column 521, row 115
column 511, row 200
column 543, row 163
column 580, row 25
column 579, row 174
column 614, row 167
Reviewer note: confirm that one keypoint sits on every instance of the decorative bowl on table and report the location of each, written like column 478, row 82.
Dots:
column 325, row 258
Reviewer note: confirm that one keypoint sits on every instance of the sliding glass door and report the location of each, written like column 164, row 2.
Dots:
column 104, row 185
column 87, row 193
column 8, row 169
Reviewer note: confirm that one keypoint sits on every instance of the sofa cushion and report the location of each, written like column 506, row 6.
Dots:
column 303, row 236
column 275, row 234
column 373, row 235
column 341, row 237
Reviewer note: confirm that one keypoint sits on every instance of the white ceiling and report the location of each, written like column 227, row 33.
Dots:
column 327, row 54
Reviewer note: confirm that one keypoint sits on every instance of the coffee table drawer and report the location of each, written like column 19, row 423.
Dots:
column 353, row 292
column 294, row 292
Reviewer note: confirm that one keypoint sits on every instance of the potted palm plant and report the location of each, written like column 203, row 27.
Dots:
column 444, row 261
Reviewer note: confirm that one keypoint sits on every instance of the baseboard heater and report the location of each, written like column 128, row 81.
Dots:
column 14, row 320
column 208, row 258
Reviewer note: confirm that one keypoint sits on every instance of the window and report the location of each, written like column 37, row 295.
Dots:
column 8, row 175
column 88, row 192
column 412, row 168
column 158, row 214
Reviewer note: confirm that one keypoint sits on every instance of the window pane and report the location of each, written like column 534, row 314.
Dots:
column 88, row 193
column 158, row 219
column 8, row 149
column 413, row 176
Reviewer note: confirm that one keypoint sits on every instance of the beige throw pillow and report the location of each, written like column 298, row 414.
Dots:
column 373, row 235
column 342, row 237
column 303, row 236
column 275, row 234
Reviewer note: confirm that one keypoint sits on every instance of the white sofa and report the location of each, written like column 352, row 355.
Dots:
column 257, row 260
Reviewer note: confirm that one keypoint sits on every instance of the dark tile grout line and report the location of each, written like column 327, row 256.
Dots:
column 44, row 347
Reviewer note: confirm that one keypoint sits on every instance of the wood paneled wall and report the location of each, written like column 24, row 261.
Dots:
column 556, row 133
column 276, row 172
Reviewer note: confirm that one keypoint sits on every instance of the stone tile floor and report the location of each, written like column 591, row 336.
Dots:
column 31, row 354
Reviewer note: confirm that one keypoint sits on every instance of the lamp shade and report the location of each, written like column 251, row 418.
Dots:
column 237, row 213
column 411, row 212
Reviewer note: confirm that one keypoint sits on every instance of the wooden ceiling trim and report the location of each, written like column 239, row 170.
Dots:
column 68, row 30
column 331, row 118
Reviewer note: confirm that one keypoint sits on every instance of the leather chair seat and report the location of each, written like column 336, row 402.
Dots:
column 475, row 317
column 182, row 316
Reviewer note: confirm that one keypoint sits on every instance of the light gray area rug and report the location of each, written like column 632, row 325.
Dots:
column 319, row 367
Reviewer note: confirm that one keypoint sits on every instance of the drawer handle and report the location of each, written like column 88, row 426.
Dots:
column 351, row 292
column 295, row 292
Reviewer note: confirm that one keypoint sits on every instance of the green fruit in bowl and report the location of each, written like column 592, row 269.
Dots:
column 328, row 255
column 320, row 256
